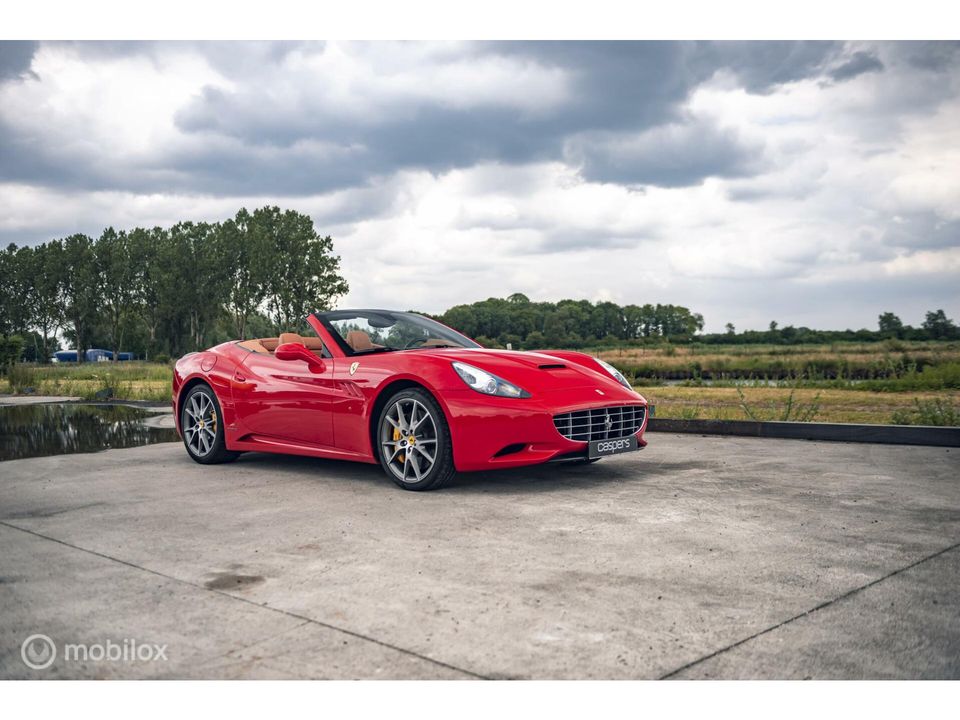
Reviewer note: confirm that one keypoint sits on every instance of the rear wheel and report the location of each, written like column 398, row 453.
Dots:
column 414, row 441
column 202, row 426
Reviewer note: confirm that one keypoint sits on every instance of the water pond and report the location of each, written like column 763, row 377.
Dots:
column 61, row 429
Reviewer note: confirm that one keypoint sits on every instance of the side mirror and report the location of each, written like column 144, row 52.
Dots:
column 297, row 351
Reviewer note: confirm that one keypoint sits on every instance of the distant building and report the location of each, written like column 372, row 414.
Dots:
column 92, row 355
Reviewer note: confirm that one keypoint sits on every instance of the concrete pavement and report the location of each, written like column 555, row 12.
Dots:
column 698, row 557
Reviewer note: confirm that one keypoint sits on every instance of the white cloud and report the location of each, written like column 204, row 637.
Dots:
column 857, row 189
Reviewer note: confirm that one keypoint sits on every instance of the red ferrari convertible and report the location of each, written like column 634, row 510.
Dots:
column 399, row 389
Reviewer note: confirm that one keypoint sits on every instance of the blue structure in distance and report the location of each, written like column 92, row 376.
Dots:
column 92, row 355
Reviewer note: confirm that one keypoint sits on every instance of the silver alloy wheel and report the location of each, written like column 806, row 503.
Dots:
column 408, row 440
column 200, row 423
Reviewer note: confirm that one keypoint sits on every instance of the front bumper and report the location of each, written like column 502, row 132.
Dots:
column 490, row 433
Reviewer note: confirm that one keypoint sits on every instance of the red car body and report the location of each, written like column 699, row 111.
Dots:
column 284, row 406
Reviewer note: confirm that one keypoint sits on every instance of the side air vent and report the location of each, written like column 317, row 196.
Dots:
column 511, row 449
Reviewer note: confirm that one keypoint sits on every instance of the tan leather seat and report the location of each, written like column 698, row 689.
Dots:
column 311, row 343
column 359, row 341
column 268, row 345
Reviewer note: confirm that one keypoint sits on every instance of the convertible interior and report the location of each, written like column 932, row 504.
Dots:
column 358, row 340
column 268, row 345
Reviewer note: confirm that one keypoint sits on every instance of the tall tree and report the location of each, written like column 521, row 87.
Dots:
column 244, row 252
column 891, row 325
column 203, row 277
column 118, row 275
column 303, row 273
column 81, row 290
column 147, row 247
column 939, row 326
column 44, row 296
column 9, row 302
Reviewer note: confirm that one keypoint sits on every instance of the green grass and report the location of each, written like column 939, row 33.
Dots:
column 126, row 381
column 882, row 366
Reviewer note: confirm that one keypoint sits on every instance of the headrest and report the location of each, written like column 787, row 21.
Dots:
column 359, row 340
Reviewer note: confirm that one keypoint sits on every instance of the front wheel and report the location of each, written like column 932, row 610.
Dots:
column 202, row 426
column 414, row 441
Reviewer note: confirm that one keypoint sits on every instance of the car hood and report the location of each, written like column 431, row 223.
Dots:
column 536, row 372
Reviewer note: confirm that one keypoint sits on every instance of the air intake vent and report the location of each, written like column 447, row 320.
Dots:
column 551, row 366
column 609, row 423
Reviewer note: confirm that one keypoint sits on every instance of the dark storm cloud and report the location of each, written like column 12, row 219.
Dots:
column 669, row 156
column 616, row 86
column 859, row 63
column 763, row 65
column 270, row 131
column 15, row 58
column 930, row 56
column 300, row 142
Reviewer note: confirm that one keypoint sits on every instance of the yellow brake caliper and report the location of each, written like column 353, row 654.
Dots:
column 396, row 436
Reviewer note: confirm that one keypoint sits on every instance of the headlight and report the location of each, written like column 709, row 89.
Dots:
column 617, row 375
column 484, row 382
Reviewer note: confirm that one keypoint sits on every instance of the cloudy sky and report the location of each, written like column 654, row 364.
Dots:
column 812, row 183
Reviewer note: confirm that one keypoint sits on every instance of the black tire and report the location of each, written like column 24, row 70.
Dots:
column 201, row 407
column 398, row 455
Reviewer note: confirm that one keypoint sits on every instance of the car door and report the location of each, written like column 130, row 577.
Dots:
column 285, row 399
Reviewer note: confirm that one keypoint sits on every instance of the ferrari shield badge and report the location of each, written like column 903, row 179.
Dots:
column 353, row 367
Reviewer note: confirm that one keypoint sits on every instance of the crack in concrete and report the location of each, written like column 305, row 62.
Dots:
column 811, row 611
column 198, row 586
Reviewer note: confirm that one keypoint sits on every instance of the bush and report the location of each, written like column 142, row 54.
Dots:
column 936, row 412
column 162, row 358
column 21, row 378
column 11, row 348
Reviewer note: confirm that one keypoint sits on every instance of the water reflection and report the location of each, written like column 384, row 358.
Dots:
column 36, row 430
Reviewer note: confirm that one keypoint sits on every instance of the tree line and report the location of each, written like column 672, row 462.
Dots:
column 520, row 323
column 936, row 326
column 166, row 291
column 162, row 292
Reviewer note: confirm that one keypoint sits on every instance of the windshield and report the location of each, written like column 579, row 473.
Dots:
column 366, row 331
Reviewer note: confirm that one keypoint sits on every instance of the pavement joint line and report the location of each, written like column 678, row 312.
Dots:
column 811, row 611
column 288, row 613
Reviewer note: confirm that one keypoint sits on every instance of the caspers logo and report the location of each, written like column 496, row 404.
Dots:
column 38, row 652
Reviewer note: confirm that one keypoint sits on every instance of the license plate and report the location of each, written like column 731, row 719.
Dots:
column 602, row 448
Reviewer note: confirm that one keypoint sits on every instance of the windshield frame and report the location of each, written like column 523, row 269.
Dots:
column 325, row 319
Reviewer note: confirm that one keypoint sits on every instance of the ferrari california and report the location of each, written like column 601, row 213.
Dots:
column 404, row 391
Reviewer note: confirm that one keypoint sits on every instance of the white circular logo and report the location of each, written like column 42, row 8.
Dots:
column 38, row 652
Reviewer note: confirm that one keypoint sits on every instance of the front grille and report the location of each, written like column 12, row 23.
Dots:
column 609, row 423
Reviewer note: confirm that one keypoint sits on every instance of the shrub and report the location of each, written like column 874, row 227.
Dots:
column 11, row 348
column 938, row 412
column 792, row 411
column 21, row 378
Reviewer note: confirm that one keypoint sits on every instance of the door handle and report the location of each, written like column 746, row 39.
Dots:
column 239, row 377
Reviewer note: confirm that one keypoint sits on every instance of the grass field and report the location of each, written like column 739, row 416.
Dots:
column 879, row 383
column 891, row 365
column 810, row 404
column 126, row 380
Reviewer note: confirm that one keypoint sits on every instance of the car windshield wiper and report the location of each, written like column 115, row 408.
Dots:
column 434, row 347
